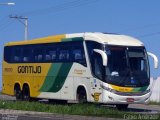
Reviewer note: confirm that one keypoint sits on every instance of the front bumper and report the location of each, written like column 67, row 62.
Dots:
column 113, row 98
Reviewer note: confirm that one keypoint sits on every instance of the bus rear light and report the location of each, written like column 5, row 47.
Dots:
column 130, row 99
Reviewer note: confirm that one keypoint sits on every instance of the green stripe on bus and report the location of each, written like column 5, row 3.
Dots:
column 51, row 77
column 56, row 77
column 143, row 88
column 77, row 39
column 61, row 77
column 140, row 89
column 66, row 39
column 72, row 39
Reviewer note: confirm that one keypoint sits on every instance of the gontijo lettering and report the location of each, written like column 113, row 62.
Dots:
column 29, row 69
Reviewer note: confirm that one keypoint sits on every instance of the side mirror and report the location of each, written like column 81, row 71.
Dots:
column 154, row 58
column 103, row 55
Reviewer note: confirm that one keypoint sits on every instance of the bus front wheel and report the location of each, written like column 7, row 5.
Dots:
column 81, row 95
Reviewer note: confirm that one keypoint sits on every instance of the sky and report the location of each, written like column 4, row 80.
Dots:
column 136, row 18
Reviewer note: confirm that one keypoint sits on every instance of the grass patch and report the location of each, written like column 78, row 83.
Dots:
column 72, row 109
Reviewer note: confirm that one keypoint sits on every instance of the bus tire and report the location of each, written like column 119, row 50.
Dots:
column 26, row 93
column 122, row 106
column 81, row 95
column 18, row 92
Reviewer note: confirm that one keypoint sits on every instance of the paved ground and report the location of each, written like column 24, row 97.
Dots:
column 27, row 115
column 144, row 108
column 6, row 97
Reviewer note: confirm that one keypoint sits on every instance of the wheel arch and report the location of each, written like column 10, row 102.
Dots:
column 17, row 84
column 25, row 84
column 82, row 86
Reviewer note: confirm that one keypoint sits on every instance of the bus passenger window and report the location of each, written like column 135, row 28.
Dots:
column 17, row 55
column 25, row 59
column 8, row 54
column 77, row 54
column 38, row 55
column 64, row 55
column 27, row 55
column 16, row 58
column 50, row 54
column 48, row 58
column 53, row 55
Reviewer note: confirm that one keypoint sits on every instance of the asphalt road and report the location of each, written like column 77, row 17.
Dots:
column 28, row 115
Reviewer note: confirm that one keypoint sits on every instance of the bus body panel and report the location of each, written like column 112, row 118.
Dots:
column 18, row 74
column 76, row 77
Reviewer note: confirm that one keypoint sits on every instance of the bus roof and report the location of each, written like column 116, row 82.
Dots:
column 108, row 38
column 104, row 38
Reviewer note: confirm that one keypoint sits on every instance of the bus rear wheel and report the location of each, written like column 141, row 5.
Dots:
column 26, row 93
column 18, row 92
column 122, row 106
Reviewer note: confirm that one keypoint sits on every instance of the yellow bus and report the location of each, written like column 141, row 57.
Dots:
column 93, row 67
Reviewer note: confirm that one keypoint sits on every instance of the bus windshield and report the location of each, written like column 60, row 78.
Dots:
column 127, row 66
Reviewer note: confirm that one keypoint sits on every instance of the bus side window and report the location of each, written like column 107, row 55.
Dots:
column 77, row 53
column 8, row 56
column 50, row 54
column 16, row 58
column 47, row 58
column 27, row 55
column 78, row 56
column 64, row 55
column 38, row 55
column 17, row 54
column 53, row 55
